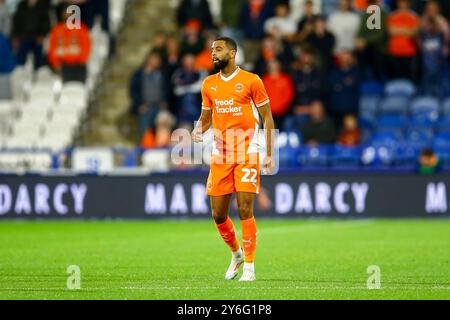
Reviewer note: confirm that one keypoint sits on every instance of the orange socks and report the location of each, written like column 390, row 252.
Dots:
column 228, row 234
column 249, row 238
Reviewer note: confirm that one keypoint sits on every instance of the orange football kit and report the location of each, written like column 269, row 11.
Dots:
column 235, row 119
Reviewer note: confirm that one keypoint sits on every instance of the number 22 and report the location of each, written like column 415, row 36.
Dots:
column 247, row 173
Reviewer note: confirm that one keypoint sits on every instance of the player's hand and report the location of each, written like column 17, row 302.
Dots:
column 268, row 165
column 197, row 135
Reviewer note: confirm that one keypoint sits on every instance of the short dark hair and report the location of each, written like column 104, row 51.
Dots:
column 230, row 43
column 427, row 152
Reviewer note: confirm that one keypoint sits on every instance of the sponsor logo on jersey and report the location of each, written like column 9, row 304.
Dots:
column 227, row 107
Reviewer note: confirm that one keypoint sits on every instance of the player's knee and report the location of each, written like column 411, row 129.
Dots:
column 219, row 217
column 245, row 211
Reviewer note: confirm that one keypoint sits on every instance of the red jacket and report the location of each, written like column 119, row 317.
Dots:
column 68, row 46
column 281, row 92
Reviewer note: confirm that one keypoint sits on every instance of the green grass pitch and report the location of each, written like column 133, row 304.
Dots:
column 295, row 259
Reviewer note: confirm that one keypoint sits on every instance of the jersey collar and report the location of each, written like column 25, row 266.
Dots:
column 231, row 76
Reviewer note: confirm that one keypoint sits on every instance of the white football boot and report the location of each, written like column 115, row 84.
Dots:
column 249, row 272
column 237, row 259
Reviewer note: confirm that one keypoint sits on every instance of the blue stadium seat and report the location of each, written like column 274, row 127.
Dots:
column 372, row 88
column 287, row 157
column 369, row 105
column 407, row 155
column 388, row 138
column 443, row 156
column 314, row 156
column 400, row 87
column 443, row 124
column 419, row 138
column 378, row 156
column 424, row 104
column 344, row 156
column 293, row 123
column 366, row 136
column 446, row 107
column 424, row 120
column 442, row 140
column 392, row 121
column 396, row 105
column 289, row 139
column 366, row 122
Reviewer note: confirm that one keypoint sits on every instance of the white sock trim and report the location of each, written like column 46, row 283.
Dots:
column 249, row 266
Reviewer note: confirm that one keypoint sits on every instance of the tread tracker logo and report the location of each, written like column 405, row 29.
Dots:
column 227, row 106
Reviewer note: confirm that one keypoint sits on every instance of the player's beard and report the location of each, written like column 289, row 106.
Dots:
column 221, row 64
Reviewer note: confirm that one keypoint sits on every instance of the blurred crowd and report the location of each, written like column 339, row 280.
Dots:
column 312, row 59
column 39, row 28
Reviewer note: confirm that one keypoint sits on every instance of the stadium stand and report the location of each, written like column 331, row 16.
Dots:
column 397, row 118
column 44, row 114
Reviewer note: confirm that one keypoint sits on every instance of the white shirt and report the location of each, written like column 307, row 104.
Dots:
column 344, row 26
column 286, row 25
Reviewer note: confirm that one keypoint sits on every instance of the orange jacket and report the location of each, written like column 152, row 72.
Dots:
column 281, row 92
column 68, row 46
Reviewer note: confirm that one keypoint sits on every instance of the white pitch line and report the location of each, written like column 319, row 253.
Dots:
column 216, row 288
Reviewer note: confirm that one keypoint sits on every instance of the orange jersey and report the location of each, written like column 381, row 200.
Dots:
column 234, row 101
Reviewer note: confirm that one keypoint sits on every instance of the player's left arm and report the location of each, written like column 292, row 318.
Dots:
column 266, row 114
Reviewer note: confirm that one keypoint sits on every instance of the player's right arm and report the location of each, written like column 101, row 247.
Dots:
column 205, row 120
column 203, row 124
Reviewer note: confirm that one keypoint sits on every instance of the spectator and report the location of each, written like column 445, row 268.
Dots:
column 5, row 19
column 69, row 50
column 309, row 83
column 319, row 129
column 305, row 26
column 194, row 10
column 280, row 89
column 323, row 42
column 160, row 137
column 159, row 43
column 344, row 25
column 148, row 92
column 187, row 84
column 192, row 40
column 31, row 23
column 350, row 134
column 7, row 60
column 171, row 63
column 97, row 8
column 273, row 48
column 433, row 12
column 282, row 25
column 371, row 46
column 428, row 162
column 203, row 61
column 434, row 59
column 344, row 85
column 253, row 16
column 445, row 8
column 7, row 64
column 229, row 13
column 403, row 27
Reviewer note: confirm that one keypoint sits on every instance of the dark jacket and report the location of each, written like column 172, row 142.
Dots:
column 323, row 132
column 308, row 86
column 31, row 22
column 188, row 10
column 324, row 47
column 254, row 28
column 7, row 61
column 344, row 86
column 135, row 89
